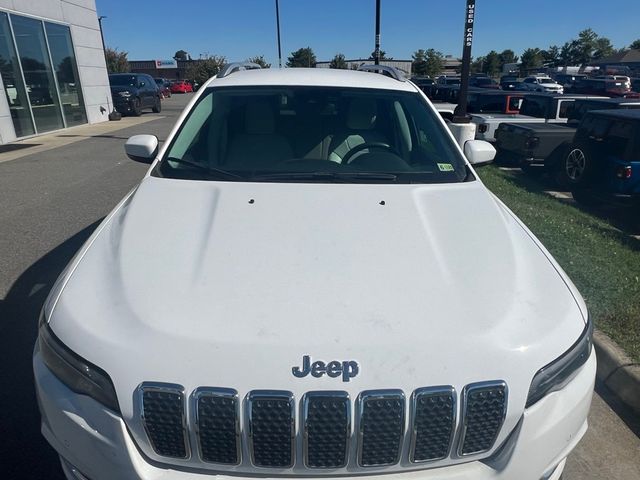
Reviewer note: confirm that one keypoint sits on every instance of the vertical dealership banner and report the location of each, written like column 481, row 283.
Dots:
column 470, row 13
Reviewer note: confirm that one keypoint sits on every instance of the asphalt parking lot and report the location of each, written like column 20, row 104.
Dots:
column 51, row 202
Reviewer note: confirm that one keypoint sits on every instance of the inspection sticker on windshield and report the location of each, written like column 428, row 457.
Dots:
column 445, row 167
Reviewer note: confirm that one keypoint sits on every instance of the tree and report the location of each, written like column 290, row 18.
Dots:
column 383, row 55
column 507, row 56
column 477, row 65
column 551, row 56
column 339, row 62
column 492, row 66
column 303, row 57
column 434, row 62
column 635, row 45
column 180, row 55
column 202, row 70
column 419, row 64
column 586, row 48
column 117, row 61
column 530, row 60
column 259, row 59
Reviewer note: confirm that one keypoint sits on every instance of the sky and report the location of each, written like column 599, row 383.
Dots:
column 238, row 29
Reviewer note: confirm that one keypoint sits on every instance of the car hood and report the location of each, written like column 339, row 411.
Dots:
column 229, row 284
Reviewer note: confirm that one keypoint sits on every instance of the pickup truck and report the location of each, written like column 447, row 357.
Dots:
column 481, row 101
column 535, row 145
column 603, row 161
column 535, row 108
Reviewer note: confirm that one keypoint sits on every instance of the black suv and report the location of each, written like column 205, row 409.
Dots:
column 603, row 160
column 133, row 92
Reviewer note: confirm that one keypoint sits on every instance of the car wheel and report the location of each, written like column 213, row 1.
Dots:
column 575, row 168
column 136, row 108
column 157, row 108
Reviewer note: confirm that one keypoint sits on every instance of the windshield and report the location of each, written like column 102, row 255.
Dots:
column 331, row 135
column 123, row 80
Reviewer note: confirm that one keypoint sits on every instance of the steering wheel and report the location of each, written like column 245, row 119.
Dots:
column 370, row 145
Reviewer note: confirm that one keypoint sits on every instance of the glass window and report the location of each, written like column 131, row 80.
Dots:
column 38, row 75
column 321, row 134
column 12, row 80
column 618, row 138
column 64, row 64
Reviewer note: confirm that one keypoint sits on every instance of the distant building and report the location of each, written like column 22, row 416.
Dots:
column 629, row 59
column 169, row 69
column 404, row 65
column 52, row 69
column 452, row 65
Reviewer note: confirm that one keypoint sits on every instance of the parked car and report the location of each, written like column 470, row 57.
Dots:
column 568, row 80
column 448, row 80
column 607, row 86
column 509, row 82
column 134, row 92
column 535, row 108
column 423, row 83
column 603, row 162
column 164, row 86
column 484, row 82
column 542, row 83
column 181, row 86
column 273, row 304
column 545, row 145
column 635, row 84
column 483, row 101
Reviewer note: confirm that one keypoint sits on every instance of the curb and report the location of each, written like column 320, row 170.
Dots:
column 617, row 371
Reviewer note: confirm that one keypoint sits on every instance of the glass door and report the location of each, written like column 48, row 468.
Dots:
column 38, row 74
column 12, row 80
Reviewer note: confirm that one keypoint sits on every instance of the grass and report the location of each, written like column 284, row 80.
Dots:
column 602, row 261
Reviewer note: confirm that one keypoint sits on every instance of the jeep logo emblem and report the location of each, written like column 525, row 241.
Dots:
column 348, row 369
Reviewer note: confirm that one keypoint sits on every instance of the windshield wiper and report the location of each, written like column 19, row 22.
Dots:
column 204, row 168
column 324, row 176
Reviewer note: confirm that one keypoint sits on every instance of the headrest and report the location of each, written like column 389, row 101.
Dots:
column 362, row 114
column 258, row 118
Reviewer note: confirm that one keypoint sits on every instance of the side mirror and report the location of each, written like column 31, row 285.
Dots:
column 142, row 148
column 479, row 152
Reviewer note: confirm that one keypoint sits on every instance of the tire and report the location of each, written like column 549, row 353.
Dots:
column 157, row 108
column 136, row 108
column 575, row 168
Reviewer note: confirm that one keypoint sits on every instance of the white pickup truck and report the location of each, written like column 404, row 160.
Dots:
column 536, row 108
column 542, row 83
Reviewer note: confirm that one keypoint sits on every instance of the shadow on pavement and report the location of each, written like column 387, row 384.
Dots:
column 24, row 453
column 626, row 414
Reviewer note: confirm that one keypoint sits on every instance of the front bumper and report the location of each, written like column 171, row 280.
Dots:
column 123, row 104
column 95, row 442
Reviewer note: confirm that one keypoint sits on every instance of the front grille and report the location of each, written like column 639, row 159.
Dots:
column 164, row 420
column 217, row 415
column 327, row 429
column 271, row 428
column 218, row 425
column 484, row 408
column 381, row 427
column 434, row 421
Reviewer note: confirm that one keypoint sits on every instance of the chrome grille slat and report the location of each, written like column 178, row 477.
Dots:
column 433, row 423
column 271, row 422
column 163, row 417
column 217, row 422
column 484, row 406
column 326, row 419
column 381, row 415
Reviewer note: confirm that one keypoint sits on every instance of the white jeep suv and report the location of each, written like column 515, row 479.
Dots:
column 542, row 83
column 312, row 281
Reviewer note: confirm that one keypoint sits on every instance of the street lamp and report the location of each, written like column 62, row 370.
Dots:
column 278, row 28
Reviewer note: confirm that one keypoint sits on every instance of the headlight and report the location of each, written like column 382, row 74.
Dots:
column 559, row 372
column 124, row 94
column 74, row 371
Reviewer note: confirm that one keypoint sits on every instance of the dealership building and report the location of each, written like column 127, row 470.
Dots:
column 52, row 68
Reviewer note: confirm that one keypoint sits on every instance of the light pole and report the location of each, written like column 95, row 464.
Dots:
column 104, row 49
column 278, row 28
column 376, row 51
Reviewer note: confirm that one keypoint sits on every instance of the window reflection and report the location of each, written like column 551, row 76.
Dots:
column 12, row 81
column 64, row 64
column 38, row 75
